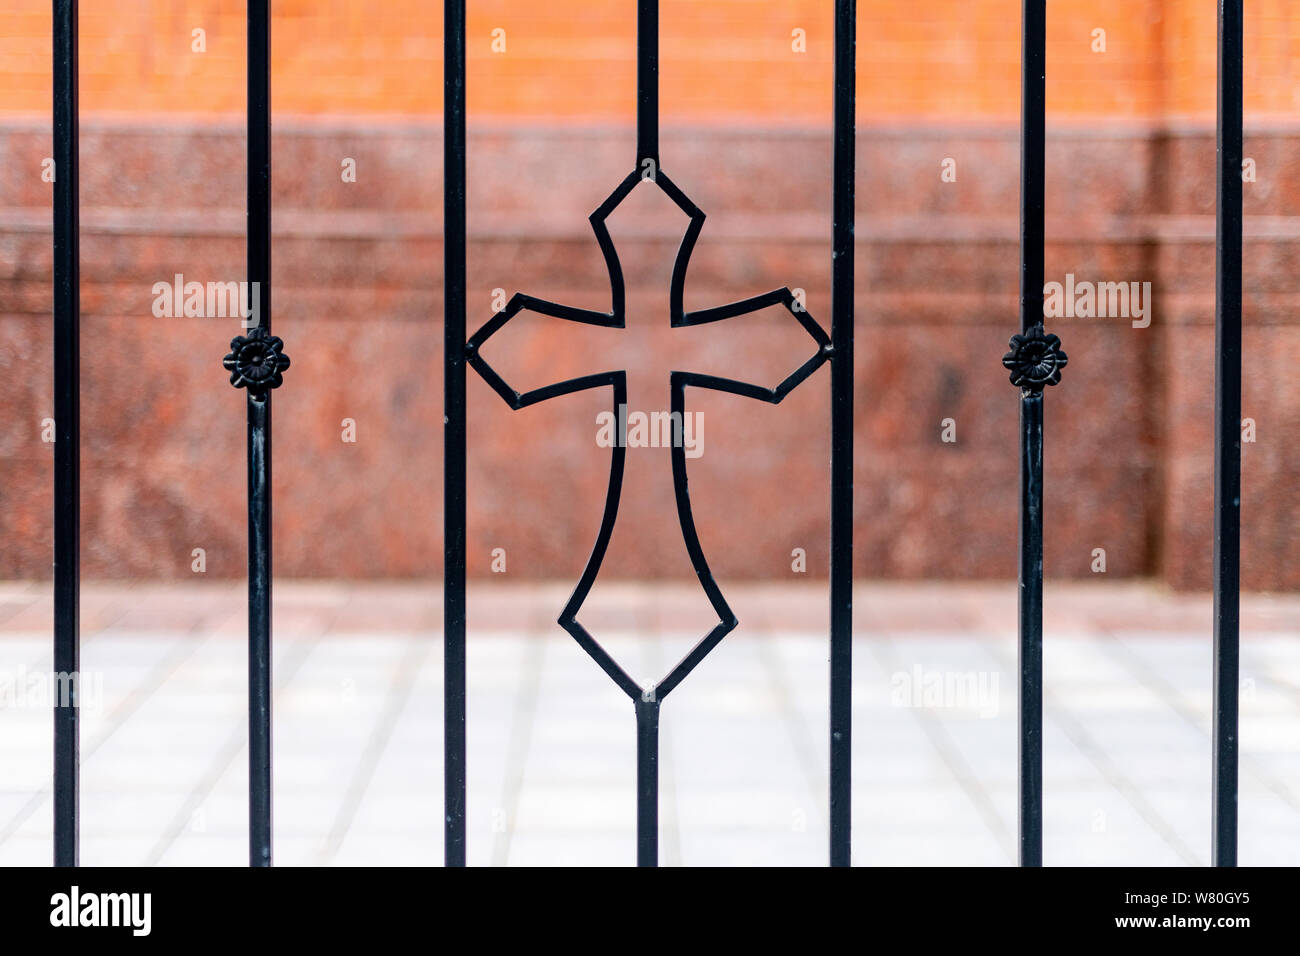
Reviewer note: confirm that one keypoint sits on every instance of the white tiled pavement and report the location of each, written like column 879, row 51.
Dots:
column 358, row 727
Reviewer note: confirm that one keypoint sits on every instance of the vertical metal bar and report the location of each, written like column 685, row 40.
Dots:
column 1031, row 629
column 259, row 441
column 1227, row 434
column 1033, row 105
column 67, row 451
column 454, row 431
column 647, row 82
column 647, row 782
column 841, row 638
column 647, row 710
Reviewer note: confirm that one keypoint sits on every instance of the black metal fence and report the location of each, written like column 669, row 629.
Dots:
column 256, row 363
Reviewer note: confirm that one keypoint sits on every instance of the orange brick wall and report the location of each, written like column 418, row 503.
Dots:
column 720, row 58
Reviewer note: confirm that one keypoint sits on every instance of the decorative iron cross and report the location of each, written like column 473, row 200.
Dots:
column 678, row 383
column 647, row 699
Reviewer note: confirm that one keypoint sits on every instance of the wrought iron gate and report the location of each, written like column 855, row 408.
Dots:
column 256, row 363
column 837, row 349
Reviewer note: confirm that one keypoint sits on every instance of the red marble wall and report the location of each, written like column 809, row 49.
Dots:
column 357, row 298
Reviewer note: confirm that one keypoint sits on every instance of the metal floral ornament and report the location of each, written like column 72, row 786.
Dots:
column 1035, row 359
column 256, row 361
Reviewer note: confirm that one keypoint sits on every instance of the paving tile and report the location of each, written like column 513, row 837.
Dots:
column 551, row 776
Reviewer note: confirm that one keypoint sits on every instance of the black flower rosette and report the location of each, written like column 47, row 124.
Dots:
column 1035, row 360
column 256, row 361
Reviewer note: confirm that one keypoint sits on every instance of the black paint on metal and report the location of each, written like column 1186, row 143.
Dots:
column 67, row 438
column 647, row 84
column 844, row 173
column 1032, row 174
column 1227, row 436
column 259, row 440
column 647, row 782
column 454, row 754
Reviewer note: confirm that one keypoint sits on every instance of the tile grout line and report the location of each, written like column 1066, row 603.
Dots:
column 48, row 654
column 236, row 743
column 522, row 722
column 1129, row 659
column 181, row 651
column 815, row 772
column 385, row 723
column 886, row 653
column 1100, row 759
column 670, row 835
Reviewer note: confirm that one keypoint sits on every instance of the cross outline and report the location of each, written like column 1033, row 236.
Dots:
column 678, row 381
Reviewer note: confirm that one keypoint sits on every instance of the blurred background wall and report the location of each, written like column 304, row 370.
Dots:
column 745, row 100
